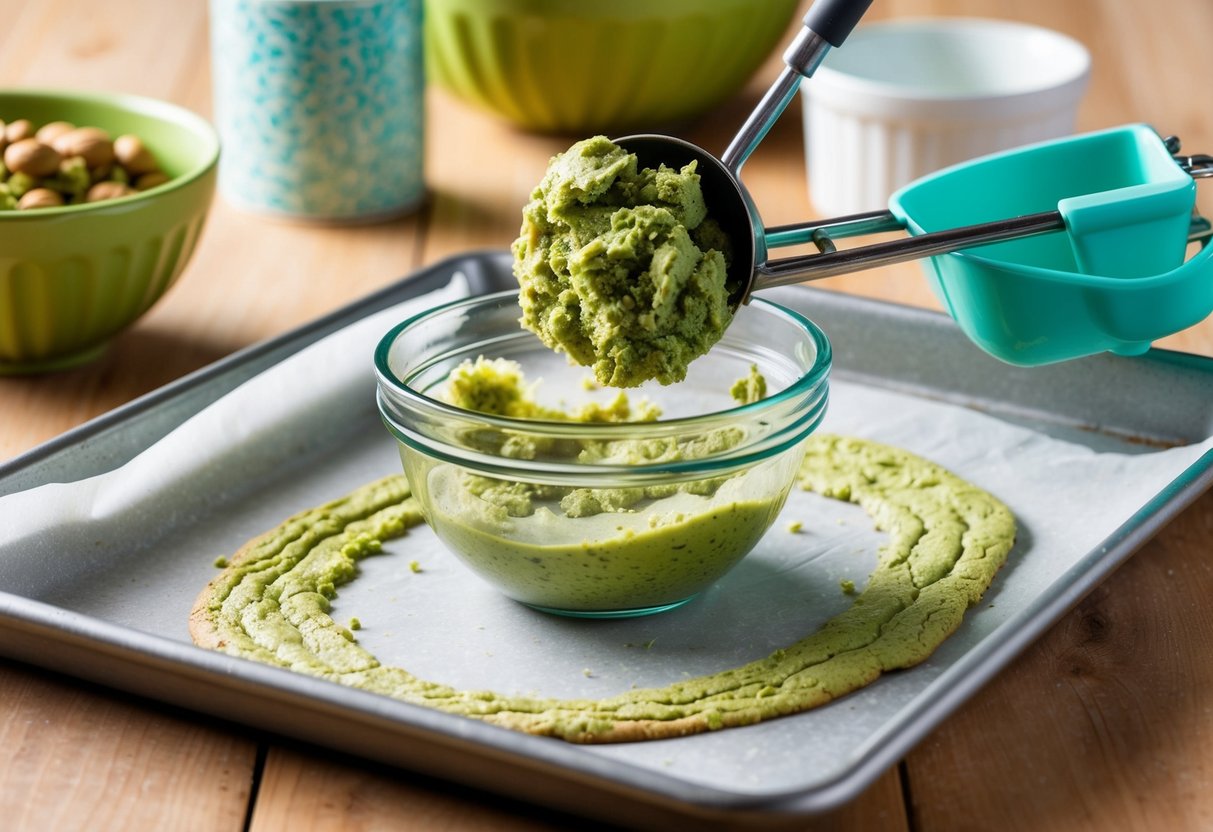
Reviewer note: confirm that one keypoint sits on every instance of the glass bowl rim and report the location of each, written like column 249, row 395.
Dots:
column 806, row 384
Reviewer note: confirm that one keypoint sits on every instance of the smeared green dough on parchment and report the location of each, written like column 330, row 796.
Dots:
column 947, row 539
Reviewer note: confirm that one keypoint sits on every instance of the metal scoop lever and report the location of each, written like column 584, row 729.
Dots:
column 827, row 23
column 751, row 271
column 830, row 261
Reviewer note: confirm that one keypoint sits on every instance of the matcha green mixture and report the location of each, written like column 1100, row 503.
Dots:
column 621, row 267
column 750, row 388
column 947, row 539
column 498, row 387
column 591, row 550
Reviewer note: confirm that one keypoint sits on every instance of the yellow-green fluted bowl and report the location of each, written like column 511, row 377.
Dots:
column 73, row 277
column 583, row 66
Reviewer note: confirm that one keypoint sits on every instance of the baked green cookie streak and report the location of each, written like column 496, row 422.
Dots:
column 947, row 539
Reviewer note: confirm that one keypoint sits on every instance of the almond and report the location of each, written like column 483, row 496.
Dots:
column 107, row 190
column 90, row 143
column 31, row 157
column 47, row 133
column 150, row 180
column 39, row 198
column 20, row 129
column 133, row 155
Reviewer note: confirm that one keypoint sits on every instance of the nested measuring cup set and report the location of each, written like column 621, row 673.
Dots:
column 1044, row 253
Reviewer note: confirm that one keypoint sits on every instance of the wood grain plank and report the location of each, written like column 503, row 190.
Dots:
column 79, row 757
column 305, row 790
column 133, row 46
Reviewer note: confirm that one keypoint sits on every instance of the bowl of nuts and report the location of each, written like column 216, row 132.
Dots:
column 102, row 200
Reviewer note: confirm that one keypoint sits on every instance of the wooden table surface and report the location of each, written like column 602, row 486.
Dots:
column 1105, row 723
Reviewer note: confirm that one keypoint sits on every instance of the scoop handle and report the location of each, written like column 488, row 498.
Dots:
column 834, row 19
column 827, row 24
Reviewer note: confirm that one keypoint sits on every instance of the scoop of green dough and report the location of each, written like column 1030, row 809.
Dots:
column 620, row 267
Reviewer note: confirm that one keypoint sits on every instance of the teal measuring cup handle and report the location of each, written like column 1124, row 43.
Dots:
column 1138, row 311
column 1030, row 316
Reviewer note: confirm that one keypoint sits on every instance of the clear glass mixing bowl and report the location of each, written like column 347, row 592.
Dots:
column 601, row 520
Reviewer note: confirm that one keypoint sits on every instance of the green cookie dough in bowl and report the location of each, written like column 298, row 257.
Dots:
column 620, row 267
column 578, row 500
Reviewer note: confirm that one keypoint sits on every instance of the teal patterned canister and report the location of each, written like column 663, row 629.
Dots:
column 320, row 106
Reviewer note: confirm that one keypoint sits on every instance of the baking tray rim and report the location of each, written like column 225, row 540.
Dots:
column 881, row 750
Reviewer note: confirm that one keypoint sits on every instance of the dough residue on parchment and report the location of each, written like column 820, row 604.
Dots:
column 947, row 539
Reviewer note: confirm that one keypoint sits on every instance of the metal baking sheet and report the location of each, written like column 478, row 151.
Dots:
column 104, row 595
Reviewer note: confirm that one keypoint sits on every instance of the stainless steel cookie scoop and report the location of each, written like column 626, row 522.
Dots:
column 750, row 270
column 827, row 24
column 1115, row 281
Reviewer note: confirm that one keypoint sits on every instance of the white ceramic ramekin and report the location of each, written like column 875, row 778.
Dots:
column 904, row 98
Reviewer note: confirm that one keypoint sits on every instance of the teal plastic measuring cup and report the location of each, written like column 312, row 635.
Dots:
column 1114, row 280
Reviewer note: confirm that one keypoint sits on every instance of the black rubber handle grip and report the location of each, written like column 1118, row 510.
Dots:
column 833, row 20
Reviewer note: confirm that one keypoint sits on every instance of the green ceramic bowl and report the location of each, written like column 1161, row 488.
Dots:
column 73, row 277
column 581, row 66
